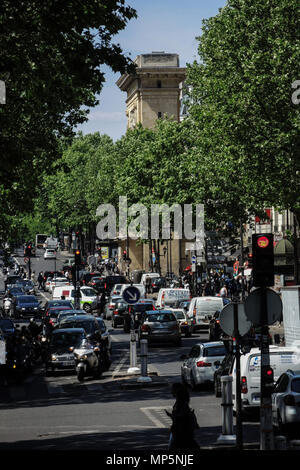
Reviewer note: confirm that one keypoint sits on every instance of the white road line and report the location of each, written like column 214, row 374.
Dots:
column 148, row 412
column 122, row 361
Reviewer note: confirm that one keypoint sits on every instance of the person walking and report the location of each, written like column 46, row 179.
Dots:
column 40, row 280
column 184, row 421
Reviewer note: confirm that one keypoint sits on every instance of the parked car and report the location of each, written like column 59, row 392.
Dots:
column 159, row 326
column 50, row 254
column 201, row 363
column 286, row 401
column 27, row 305
column 118, row 313
column 60, row 352
column 184, row 321
column 134, row 313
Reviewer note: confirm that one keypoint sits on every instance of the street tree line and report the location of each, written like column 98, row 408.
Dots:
column 237, row 151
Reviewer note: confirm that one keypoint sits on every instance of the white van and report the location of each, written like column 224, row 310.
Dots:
column 169, row 297
column 140, row 287
column 152, row 275
column 88, row 296
column 282, row 358
column 202, row 309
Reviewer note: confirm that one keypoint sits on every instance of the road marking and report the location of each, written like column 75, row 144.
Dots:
column 122, row 361
column 148, row 412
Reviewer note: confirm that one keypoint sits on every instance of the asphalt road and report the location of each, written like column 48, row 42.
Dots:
column 58, row 412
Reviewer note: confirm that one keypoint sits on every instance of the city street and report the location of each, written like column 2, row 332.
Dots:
column 58, row 412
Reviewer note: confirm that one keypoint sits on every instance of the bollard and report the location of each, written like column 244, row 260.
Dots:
column 144, row 362
column 133, row 369
column 280, row 443
column 227, row 436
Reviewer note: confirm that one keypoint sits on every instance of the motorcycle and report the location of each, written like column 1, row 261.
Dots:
column 87, row 361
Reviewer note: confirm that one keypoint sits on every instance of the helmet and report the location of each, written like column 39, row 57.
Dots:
column 31, row 320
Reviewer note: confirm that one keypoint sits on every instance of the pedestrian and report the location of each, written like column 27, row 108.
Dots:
column 223, row 291
column 184, row 421
column 148, row 284
column 40, row 280
column 33, row 277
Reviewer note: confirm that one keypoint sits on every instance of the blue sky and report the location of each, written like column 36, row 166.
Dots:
column 162, row 25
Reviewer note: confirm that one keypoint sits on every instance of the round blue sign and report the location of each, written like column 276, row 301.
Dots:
column 131, row 295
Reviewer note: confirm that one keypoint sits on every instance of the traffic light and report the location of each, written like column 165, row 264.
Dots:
column 263, row 260
column 268, row 379
column 28, row 250
column 77, row 257
column 124, row 255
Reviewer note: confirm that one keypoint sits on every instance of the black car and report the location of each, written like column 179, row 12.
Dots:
column 157, row 283
column 11, row 279
column 14, row 291
column 119, row 312
column 60, row 354
column 97, row 283
column 86, row 276
column 87, row 322
column 27, row 285
column 57, row 303
column 215, row 330
column 134, row 313
column 27, row 305
column 110, row 281
column 7, row 326
column 223, row 369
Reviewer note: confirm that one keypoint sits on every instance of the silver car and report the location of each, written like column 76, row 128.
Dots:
column 160, row 326
column 201, row 363
column 286, row 400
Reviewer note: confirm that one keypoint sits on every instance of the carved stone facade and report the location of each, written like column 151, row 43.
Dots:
column 153, row 92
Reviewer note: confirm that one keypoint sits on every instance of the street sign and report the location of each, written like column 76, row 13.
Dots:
column 227, row 320
column 253, row 308
column 131, row 295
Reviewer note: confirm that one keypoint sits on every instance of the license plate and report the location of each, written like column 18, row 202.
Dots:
column 68, row 363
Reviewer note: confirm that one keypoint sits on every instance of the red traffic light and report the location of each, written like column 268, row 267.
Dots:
column 263, row 242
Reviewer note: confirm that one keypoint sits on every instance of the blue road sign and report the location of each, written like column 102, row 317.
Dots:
column 131, row 295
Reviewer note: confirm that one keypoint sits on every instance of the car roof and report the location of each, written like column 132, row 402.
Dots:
column 210, row 344
column 82, row 317
column 68, row 330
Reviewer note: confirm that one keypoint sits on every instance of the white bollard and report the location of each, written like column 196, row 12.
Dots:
column 227, row 436
column 133, row 369
column 144, row 362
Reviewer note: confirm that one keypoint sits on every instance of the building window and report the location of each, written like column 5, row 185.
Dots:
column 159, row 114
column 158, row 83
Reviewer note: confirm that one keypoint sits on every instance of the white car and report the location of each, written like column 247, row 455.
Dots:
column 58, row 281
column 50, row 254
column 200, row 365
column 286, row 400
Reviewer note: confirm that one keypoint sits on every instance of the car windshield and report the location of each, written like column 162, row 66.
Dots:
column 67, row 339
column 295, row 385
column 214, row 351
column 161, row 317
column 56, row 303
column 140, row 307
column 88, row 292
column 179, row 315
column 6, row 323
column 27, row 299
column 88, row 326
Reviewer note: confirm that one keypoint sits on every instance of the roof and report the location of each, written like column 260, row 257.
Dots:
column 283, row 247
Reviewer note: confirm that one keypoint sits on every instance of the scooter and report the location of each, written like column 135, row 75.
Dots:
column 7, row 303
column 86, row 361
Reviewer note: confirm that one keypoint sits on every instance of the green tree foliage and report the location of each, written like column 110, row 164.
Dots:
column 51, row 60
column 241, row 93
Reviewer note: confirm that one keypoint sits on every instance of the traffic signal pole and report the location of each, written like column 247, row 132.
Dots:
column 238, row 400
column 266, row 381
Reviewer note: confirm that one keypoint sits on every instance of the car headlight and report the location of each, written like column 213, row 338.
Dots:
column 53, row 357
column 23, row 308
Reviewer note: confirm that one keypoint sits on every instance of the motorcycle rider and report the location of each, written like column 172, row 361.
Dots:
column 33, row 328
